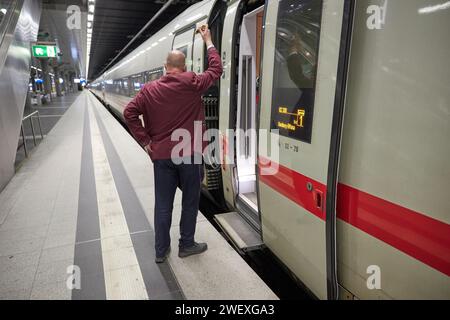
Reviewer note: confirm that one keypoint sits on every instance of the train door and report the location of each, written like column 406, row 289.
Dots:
column 246, row 134
column 226, row 116
column 240, row 52
column 303, row 72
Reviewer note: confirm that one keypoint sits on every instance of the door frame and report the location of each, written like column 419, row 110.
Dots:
column 335, row 148
column 335, row 142
column 228, row 106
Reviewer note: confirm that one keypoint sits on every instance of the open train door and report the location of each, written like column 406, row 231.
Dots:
column 302, row 100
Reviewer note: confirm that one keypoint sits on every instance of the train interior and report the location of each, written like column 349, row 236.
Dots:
column 246, row 120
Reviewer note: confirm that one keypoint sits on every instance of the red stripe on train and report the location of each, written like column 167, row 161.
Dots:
column 421, row 237
column 413, row 233
column 293, row 185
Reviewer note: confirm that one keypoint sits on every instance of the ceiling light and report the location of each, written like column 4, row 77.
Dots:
column 432, row 9
column 193, row 18
column 90, row 17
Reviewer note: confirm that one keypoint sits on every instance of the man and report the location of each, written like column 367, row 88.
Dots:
column 170, row 103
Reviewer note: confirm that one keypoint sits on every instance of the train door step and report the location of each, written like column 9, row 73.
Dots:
column 243, row 236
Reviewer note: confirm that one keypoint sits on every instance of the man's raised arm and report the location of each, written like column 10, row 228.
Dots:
column 206, row 79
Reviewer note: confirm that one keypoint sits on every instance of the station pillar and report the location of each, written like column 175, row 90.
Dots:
column 66, row 78
column 63, row 85
column 57, row 84
column 71, row 81
column 47, row 78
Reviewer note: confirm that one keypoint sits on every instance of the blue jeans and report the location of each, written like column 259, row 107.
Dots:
column 169, row 176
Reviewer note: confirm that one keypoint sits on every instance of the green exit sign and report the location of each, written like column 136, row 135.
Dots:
column 42, row 51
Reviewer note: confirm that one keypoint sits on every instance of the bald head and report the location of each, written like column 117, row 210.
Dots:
column 176, row 60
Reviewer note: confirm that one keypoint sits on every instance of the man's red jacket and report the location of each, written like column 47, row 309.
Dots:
column 170, row 103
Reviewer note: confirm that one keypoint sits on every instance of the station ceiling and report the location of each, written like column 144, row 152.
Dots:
column 116, row 22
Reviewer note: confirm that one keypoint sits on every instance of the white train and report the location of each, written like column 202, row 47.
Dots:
column 359, row 91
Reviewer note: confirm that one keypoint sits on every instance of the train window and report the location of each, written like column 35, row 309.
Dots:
column 138, row 82
column 109, row 86
column 154, row 75
column 125, row 87
column 183, row 42
column 296, row 54
column 184, row 50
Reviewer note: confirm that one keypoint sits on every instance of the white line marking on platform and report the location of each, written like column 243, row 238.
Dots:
column 123, row 277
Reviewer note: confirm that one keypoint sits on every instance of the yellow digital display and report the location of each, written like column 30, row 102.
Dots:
column 298, row 121
column 293, row 117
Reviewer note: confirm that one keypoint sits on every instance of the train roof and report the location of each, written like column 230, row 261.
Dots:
column 152, row 52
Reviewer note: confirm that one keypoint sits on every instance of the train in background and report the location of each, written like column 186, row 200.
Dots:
column 359, row 94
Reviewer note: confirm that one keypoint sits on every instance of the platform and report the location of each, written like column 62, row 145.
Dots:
column 49, row 115
column 85, row 198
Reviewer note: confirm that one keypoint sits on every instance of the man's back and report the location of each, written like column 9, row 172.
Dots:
column 170, row 103
column 174, row 102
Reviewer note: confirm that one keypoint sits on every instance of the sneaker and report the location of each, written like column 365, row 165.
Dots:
column 197, row 248
column 164, row 258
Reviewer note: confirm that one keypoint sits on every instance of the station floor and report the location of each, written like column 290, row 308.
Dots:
column 76, row 222
column 50, row 114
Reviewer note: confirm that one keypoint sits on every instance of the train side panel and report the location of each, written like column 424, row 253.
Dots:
column 394, row 205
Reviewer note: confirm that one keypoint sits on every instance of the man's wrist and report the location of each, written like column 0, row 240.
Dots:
column 146, row 142
column 209, row 44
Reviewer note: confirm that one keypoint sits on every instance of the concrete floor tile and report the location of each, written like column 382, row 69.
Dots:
column 23, row 294
column 63, row 225
column 23, row 233
column 17, row 280
column 66, row 200
column 219, row 273
column 51, row 291
column 26, row 219
column 8, row 199
column 13, row 263
column 8, row 248
column 57, row 254
column 64, row 210
column 59, row 239
column 52, row 272
column 63, row 219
